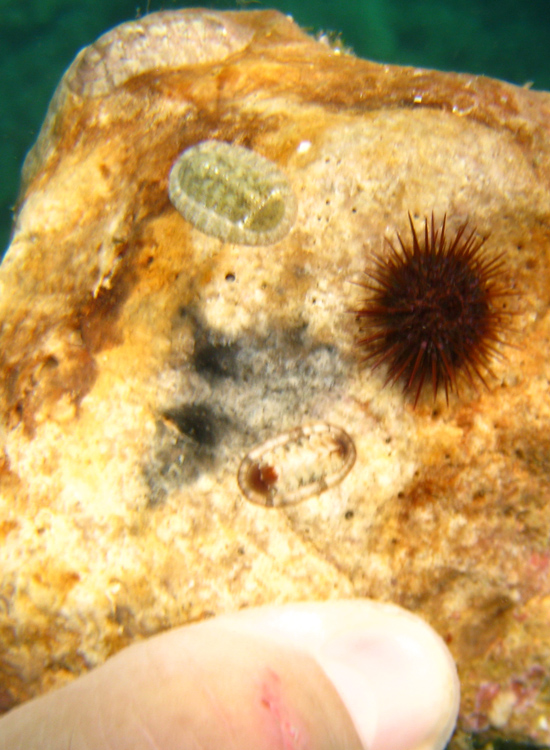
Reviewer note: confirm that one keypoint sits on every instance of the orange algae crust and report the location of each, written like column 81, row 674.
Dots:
column 145, row 361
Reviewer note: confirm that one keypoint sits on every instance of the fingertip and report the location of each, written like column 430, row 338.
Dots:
column 393, row 672
column 397, row 679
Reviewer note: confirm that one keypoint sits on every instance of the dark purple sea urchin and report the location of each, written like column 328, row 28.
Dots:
column 434, row 310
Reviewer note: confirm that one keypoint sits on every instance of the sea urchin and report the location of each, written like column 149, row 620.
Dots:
column 434, row 310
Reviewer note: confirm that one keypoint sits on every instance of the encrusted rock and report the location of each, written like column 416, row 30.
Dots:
column 142, row 360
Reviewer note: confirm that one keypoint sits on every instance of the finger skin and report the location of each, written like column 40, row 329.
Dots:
column 394, row 673
column 201, row 686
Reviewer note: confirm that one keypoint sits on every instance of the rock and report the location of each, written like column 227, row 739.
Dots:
column 143, row 361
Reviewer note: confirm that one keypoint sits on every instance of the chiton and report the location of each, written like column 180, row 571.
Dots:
column 232, row 193
column 296, row 465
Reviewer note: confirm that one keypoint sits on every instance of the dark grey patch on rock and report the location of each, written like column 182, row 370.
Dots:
column 216, row 360
column 197, row 421
column 235, row 394
column 185, row 447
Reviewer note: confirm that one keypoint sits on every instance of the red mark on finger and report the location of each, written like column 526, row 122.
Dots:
column 282, row 725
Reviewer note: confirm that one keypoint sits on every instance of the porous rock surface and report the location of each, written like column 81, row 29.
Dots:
column 141, row 360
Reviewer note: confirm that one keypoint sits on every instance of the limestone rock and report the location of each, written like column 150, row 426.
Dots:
column 142, row 360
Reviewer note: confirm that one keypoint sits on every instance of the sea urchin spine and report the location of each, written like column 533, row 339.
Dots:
column 434, row 310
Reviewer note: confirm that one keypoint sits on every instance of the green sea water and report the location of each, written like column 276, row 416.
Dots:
column 508, row 39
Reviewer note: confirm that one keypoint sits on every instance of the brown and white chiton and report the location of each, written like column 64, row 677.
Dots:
column 232, row 193
column 296, row 465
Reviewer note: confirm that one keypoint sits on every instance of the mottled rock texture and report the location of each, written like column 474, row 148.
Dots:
column 142, row 360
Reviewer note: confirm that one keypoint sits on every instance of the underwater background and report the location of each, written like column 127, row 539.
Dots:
column 507, row 39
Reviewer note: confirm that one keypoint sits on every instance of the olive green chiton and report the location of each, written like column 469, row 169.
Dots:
column 232, row 193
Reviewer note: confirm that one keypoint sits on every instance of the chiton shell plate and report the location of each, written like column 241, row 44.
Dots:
column 232, row 193
column 296, row 465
